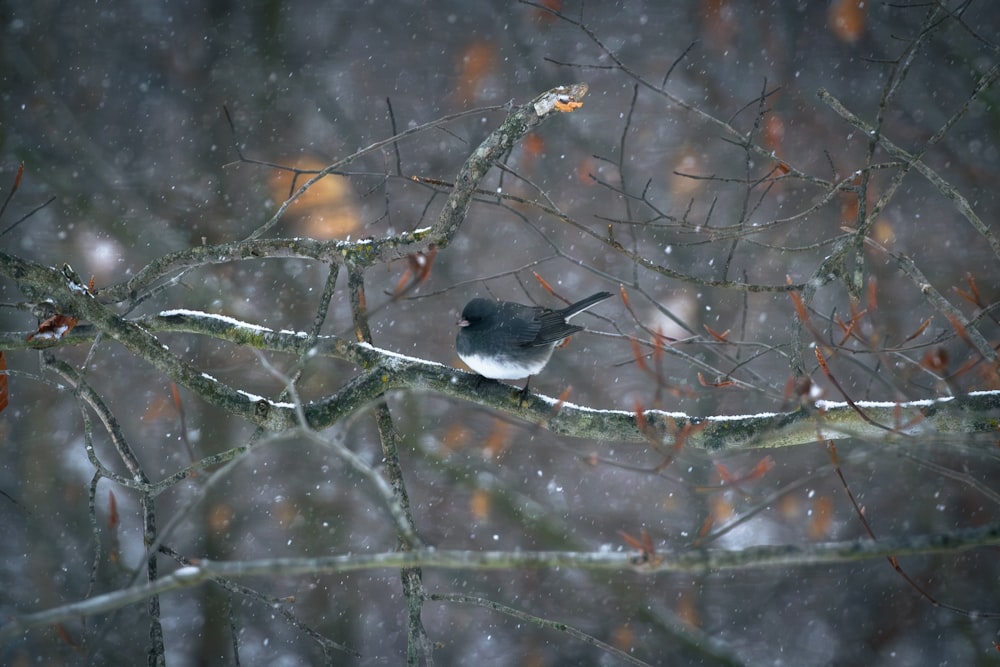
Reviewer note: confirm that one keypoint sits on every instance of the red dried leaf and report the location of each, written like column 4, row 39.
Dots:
column 4, row 388
column 540, row 14
column 640, row 414
column 872, row 294
column 974, row 290
column 629, row 540
column 637, row 353
column 64, row 636
column 724, row 474
column 959, row 329
column 17, row 184
column 418, row 271
column 935, row 359
column 716, row 385
column 848, row 328
column 647, row 550
column 114, row 552
column 113, row 517
column 658, row 345
column 923, row 327
column 706, row 526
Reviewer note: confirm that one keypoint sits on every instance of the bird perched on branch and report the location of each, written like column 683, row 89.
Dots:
column 504, row 340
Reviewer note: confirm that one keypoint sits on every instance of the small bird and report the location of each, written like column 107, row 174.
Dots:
column 503, row 340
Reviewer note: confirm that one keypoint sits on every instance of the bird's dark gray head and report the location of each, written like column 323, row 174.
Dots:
column 477, row 312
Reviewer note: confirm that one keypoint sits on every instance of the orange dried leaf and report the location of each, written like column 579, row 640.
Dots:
column 721, row 337
column 220, row 517
column 561, row 98
column 561, row 401
column 621, row 290
column 821, row 518
column 848, row 329
column 54, row 328
column 721, row 508
column 822, row 361
column 176, row 395
column 456, row 437
column 687, row 610
column 965, row 295
column 327, row 210
column 623, row 637
column 544, row 283
column 159, row 408
column 422, row 262
column 585, row 172
column 533, row 145
column 800, row 306
column 847, row 19
column 480, row 505
column 401, row 285
column 479, row 62
column 570, row 99
column 497, row 440
column 959, row 328
column 762, row 468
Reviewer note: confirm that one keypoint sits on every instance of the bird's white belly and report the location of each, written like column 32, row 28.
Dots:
column 504, row 369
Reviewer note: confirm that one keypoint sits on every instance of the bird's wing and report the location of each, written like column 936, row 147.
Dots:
column 553, row 327
column 519, row 324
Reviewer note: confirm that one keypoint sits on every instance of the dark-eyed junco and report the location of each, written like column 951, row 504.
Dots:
column 503, row 340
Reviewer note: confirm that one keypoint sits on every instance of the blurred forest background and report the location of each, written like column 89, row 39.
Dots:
column 704, row 159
